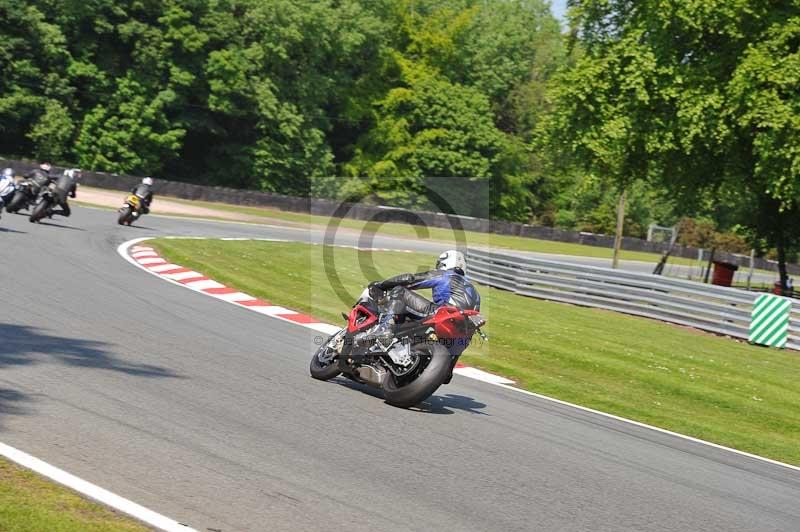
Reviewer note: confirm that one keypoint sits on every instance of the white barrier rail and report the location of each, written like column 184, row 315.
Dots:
column 707, row 307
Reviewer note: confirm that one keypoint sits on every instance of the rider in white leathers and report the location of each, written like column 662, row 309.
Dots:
column 7, row 187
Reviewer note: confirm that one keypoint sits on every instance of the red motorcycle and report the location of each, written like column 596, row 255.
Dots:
column 410, row 365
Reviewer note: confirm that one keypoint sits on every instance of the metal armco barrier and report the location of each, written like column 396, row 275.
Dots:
column 710, row 308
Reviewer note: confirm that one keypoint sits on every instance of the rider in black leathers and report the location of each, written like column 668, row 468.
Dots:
column 448, row 283
column 40, row 176
column 144, row 191
column 66, row 186
column 449, row 286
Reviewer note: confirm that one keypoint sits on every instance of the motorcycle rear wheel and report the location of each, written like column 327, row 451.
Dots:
column 125, row 216
column 39, row 212
column 432, row 376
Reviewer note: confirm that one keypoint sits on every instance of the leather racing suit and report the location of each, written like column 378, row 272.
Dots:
column 145, row 194
column 449, row 287
column 65, row 186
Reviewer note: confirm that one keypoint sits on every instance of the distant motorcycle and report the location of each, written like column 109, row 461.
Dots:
column 130, row 210
column 411, row 365
column 44, row 203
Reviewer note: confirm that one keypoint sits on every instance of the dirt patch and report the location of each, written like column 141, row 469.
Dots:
column 161, row 205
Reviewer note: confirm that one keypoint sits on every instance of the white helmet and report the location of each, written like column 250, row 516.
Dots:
column 8, row 173
column 451, row 260
column 148, row 181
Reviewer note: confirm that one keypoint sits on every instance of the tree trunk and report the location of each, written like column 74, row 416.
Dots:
column 781, row 247
column 709, row 265
column 620, row 224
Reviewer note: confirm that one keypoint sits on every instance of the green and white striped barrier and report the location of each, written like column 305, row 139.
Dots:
column 769, row 323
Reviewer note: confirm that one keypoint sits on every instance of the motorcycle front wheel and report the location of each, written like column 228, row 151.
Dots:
column 325, row 370
column 435, row 362
column 16, row 203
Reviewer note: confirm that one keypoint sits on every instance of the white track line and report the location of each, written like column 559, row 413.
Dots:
column 651, row 427
column 474, row 373
column 152, row 260
column 325, row 328
column 201, row 285
column 93, row 491
column 181, row 276
column 164, row 268
column 234, row 296
column 271, row 310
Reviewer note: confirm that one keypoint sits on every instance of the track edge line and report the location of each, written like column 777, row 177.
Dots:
column 92, row 491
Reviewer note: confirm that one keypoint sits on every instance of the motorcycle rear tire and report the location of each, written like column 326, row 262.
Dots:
column 124, row 216
column 16, row 203
column 39, row 212
column 425, row 384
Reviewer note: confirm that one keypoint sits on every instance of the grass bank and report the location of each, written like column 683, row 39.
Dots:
column 29, row 503
column 683, row 380
column 443, row 235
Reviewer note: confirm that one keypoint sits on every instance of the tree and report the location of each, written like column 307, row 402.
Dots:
column 131, row 134
column 460, row 78
column 34, row 115
column 764, row 114
column 282, row 95
column 430, row 128
column 687, row 95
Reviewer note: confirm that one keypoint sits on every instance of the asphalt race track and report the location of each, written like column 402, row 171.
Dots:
column 205, row 412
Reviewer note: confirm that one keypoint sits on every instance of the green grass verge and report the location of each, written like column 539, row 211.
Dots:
column 30, row 503
column 445, row 236
column 440, row 234
column 680, row 379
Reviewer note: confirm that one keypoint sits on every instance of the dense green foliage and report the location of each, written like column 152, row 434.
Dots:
column 690, row 106
column 699, row 99
column 281, row 95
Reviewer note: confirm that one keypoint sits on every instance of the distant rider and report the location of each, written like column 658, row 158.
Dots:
column 144, row 191
column 40, row 176
column 67, row 185
column 7, row 187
